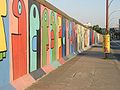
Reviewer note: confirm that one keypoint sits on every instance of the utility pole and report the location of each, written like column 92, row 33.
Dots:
column 107, row 36
column 107, row 7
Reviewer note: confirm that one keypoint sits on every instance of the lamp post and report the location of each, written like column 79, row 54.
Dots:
column 107, row 7
column 107, row 36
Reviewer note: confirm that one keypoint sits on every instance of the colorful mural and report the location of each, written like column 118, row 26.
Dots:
column 93, row 37
column 53, row 30
column 4, row 44
column 90, row 37
column 86, row 38
column 45, row 35
column 19, row 40
column 3, row 13
column 63, row 37
column 34, row 35
column 36, row 38
column 67, row 37
column 59, row 27
column 79, row 38
column 71, row 37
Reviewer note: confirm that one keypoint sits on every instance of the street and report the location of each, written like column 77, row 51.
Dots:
column 115, row 46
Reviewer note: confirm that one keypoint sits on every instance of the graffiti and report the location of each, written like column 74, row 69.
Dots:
column 74, row 36
column 34, row 35
column 78, row 38
column 93, row 40
column 90, row 37
column 59, row 48
column 67, row 38
column 53, row 30
column 34, row 39
column 19, row 40
column 63, row 37
column 3, row 13
column 71, row 38
column 86, row 38
column 45, row 38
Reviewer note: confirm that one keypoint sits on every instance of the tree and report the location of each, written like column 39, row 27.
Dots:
column 97, row 29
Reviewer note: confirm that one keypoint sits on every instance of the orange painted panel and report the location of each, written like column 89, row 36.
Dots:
column 19, row 40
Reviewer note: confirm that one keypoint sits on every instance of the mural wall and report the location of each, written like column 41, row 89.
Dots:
column 59, row 36
column 33, row 36
column 19, row 39
column 4, row 44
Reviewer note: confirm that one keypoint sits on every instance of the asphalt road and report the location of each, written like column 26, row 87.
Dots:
column 115, row 46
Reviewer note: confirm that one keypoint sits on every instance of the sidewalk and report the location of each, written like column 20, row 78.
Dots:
column 87, row 71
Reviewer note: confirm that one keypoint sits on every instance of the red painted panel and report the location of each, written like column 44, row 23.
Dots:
column 19, row 41
column 93, row 37
column 52, row 39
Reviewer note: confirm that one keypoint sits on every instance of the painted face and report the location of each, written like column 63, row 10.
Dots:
column 19, row 39
column 52, row 17
column 53, row 35
column 45, row 18
column 45, row 15
column 19, row 7
column 45, row 36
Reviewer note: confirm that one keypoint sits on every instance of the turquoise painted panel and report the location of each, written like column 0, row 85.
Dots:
column 34, row 27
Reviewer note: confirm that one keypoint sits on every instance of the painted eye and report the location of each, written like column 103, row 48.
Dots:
column 45, row 17
column 53, row 18
column 19, row 7
column 34, row 12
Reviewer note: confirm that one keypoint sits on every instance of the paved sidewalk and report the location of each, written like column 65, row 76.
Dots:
column 87, row 71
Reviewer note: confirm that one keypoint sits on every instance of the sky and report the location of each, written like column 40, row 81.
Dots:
column 89, row 11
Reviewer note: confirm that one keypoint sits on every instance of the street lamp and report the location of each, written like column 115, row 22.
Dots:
column 113, row 13
column 110, row 21
column 110, row 3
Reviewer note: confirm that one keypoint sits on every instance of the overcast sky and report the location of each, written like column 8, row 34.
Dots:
column 92, row 11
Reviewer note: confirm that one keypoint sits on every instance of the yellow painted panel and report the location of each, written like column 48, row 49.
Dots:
column 3, row 12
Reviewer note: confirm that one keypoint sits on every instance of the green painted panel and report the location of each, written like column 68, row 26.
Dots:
column 53, row 29
column 45, row 41
column 1, row 56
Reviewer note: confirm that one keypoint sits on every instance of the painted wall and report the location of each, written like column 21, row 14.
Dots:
column 45, row 36
column 35, row 37
column 4, row 44
column 59, row 36
column 63, row 37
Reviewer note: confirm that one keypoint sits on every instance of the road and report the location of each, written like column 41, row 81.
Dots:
column 115, row 46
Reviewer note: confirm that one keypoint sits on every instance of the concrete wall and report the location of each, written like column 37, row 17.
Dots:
column 34, row 40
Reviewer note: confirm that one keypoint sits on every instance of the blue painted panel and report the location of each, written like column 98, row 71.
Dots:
column 90, row 37
column 70, row 35
column 5, row 64
column 63, row 37
column 34, row 43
